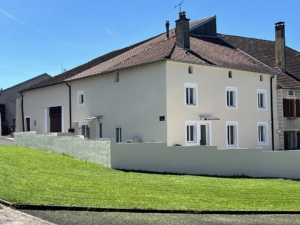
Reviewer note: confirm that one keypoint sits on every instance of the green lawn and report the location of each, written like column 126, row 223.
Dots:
column 36, row 177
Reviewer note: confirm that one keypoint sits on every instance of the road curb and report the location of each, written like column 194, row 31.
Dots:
column 5, row 203
column 96, row 209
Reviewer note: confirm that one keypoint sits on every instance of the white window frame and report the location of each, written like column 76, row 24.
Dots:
column 195, row 93
column 197, row 132
column 288, row 93
column 79, row 94
column 265, row 130
column 236, row 134
column 235, row 97
column 265, row 103
column 208, row 131
column 120, row 134
column 194, row 125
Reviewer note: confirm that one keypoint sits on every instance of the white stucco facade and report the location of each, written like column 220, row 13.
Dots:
column 151, row 103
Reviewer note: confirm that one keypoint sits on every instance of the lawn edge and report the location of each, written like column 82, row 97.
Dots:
column 135, row 210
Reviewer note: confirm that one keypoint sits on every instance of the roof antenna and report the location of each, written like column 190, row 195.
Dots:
column 179, row 6
column 62, row 69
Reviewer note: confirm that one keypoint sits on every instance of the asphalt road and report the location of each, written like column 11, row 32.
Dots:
column 6, row 141
column 112, row 218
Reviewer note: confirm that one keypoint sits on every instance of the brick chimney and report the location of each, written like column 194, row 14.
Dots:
column 182, row 31
column 280, row 45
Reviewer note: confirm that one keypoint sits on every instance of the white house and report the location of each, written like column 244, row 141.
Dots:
column 187, row 86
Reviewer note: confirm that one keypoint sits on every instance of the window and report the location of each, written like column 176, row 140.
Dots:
column 261, row 78
column 190, row 70
column 191, row 133
column 100, row 130
column 231, row 93
column 261, row 99
column 191, row 94
column 80, row 98
column 197, row 133
column 290, row 140
column 262, row 132
column 291, row 108
column 229, row 74
column 118, row 134
column 291, row 93
column 232, row 134
column 117, row 79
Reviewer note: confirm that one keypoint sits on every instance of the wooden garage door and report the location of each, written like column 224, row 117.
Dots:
column 55, row 119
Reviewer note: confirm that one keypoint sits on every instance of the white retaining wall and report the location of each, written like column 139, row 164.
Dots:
column 205, row 160
column 90, row 150
column 158, row 157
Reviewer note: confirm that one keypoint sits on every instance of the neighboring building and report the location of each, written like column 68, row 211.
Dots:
column 8, row 102
column 188, row 86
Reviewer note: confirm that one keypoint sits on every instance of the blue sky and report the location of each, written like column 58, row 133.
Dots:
column 42, row 36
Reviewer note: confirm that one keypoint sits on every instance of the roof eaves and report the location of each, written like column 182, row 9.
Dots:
column 114, row 70
column 218, row 66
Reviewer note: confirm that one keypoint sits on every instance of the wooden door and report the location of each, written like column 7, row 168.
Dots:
column 55, row 119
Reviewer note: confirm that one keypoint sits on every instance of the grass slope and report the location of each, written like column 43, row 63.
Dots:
column 35, row 177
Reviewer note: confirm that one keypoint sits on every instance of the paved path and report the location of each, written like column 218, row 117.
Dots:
column 112, row 218
column 12, row 217
column 6, row 141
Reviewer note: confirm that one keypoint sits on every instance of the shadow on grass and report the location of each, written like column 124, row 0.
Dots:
column 238, row 176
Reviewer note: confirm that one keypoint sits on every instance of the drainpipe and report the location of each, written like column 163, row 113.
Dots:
column 70, row 109
column 22, row 111
column 272, row 117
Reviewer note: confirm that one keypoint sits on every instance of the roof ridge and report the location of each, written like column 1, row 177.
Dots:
column 245, row 37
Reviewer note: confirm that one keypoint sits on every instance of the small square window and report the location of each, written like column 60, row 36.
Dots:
column 262, row 133
column 291, row 93
column 80, row 98
column 190, row 70
column 191, row 93
column 231, row 97
column 117, row 78
column 261, row 99
column 229, row 74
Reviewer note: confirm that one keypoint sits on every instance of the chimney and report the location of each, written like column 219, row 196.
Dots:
column 280, row 45
column 167, row 29
column 182, row 31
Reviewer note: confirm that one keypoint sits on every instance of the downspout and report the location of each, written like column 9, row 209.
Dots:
column 22, row 111
column 272, row 116
column 70, row 109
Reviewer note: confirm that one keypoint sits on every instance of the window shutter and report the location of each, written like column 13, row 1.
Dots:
column 298, row 140
column 285, row 108
column 297, row 108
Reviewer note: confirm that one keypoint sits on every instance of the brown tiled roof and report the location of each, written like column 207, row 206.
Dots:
column 126, row 57
column 216, row 52
column 61, row 78
column 264, row 51
column 222, row 51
